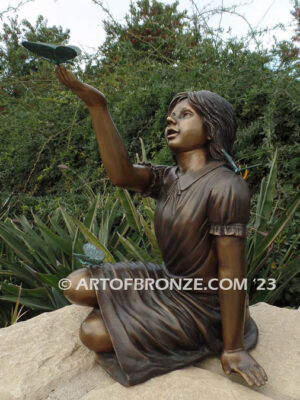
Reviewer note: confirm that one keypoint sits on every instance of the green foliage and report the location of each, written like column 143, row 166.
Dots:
column 37, row 254
column 268, row 231
column 45, row 133
column 157, row 52
column 49, row 158
column 152, row 28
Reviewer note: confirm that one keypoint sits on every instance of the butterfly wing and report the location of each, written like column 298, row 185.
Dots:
column 66, row 53
column 44, row 50
column 91, row 256
column 230, row 161
column 52, row 53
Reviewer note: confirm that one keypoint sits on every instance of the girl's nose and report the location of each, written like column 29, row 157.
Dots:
column 171, row 120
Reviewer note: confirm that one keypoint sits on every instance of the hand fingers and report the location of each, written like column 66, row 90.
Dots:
column 263, row 373
column 59, row 69
column 246, row 377
column 226, row 368
column 64, row 76
column 258, row 375
column 70, row 80
column 252, row 377
column 59, row 74
column 63, row 72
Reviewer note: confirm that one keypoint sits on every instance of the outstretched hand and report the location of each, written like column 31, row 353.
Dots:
column 91, row 96
column 245, row 365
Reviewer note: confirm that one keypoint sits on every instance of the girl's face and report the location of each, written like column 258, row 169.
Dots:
column 185, row 130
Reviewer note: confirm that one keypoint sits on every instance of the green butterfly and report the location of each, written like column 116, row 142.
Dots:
column 53, row 53
column 91, row 256
column 234, row 166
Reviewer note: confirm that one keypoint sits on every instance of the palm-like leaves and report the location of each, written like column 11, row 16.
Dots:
column 36, row 254
column 266, row 230
column 40, row 253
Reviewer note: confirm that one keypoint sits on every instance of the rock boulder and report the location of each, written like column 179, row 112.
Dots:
column 43, row 359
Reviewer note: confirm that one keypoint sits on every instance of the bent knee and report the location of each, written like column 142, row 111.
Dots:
column 79, row 291
column 93, row 333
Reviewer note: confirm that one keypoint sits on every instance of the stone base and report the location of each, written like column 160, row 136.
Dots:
column 43, row 359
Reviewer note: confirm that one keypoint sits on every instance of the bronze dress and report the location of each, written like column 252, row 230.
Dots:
column 156, row 331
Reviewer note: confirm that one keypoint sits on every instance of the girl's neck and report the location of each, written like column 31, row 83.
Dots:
column 192, row 160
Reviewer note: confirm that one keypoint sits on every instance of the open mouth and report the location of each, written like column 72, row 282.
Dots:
column 171, row 134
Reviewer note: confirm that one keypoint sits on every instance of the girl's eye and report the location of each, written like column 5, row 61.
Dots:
column 186, row 113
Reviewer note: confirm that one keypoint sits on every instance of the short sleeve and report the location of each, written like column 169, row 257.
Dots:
column 157, row 173
column 229, row 207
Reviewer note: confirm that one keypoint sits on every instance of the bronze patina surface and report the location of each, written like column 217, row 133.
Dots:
column 52, row 53
column 202, row 209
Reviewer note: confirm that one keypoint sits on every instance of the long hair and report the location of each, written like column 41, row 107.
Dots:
column 218, row 117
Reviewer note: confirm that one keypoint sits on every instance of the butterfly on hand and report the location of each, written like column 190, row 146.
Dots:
column 56, row 54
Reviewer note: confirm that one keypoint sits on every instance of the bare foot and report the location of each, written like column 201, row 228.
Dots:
column 91, row 96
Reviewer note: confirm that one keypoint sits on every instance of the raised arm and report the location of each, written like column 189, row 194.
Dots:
column 231, row 261
column 114, row 155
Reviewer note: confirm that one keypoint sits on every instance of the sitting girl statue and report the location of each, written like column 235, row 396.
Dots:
column 202, row 209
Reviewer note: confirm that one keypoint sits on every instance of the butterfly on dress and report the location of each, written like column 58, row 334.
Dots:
column 55, row 54
column 236, row 169
column 91, row 257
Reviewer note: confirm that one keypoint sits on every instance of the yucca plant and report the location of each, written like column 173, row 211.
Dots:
column 38, row 254
column 43, row 254
column 8, row 313
column 4, row 207
column 268, row 229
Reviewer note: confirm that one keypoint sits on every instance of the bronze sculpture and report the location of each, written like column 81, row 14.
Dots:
column 201, row 216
